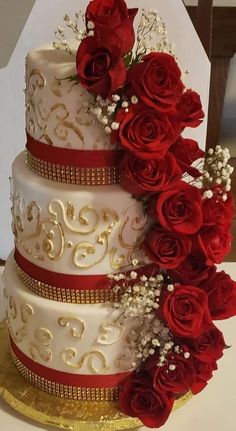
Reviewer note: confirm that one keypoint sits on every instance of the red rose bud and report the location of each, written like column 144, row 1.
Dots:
column 180, row 209
column 147, row 173
column 214, row 242
column 190, row 110
column 187, row 151
column 112, row 17
column 144, row 129
column 221, row 291
column 156, row 81
column 193, row 270
column 100, row 67
column 208, row 347
column 204, row 372
column 139, row 399
column 166, row 249
column 186, row 311
column 216, row 211
column 175, row 376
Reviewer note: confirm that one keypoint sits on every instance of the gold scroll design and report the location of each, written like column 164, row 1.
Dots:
column 40, row 116
column 86, row 223
column 128, row 359
column 41, row 346
column 47, row 232
column 76, row 325
column 36, row 82
column 17, row 211
column 110, row 333
column 46, row 238
column 25, row 311
column 69, row 355
column 60, row 87
column 130, row 227
column 84, row 249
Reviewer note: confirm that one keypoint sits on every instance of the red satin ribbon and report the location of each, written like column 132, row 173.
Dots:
column 68, row 379
column 69, row 281
column 72, row 157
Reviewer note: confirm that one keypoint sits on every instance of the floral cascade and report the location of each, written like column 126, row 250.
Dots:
column 142, row 102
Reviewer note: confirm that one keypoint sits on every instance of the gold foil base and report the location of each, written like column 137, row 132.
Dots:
column 47, row 409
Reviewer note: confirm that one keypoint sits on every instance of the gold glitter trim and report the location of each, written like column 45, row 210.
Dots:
column 64, row 391
column 98, row 296
column 73, row 174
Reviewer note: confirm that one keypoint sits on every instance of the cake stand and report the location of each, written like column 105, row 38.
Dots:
column 61, row 413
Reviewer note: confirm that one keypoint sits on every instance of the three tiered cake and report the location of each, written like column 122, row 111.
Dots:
column 112, row 287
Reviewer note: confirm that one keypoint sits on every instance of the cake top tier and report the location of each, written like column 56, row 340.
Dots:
column 56, row 108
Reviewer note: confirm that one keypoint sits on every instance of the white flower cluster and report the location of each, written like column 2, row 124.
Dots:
column 138, row 304
column 152, row 34
column 104, row 110
column 75, row 27
column 141, row 295
column 150, row 337
column 217, row 172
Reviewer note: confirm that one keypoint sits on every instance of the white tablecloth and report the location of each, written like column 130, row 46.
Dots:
column 212, row 410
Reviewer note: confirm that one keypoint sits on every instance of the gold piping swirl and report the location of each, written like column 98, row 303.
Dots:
column 65, row 322
column 70, row 353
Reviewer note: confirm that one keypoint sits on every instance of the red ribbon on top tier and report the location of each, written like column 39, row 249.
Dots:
column 69, row 379
column 70, row 166
column 73, row 157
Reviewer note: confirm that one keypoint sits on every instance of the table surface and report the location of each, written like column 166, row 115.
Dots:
column 213, row 409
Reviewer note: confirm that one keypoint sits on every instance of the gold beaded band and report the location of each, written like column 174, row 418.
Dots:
column 73, row 174
column 64, row 391
column 79, row 296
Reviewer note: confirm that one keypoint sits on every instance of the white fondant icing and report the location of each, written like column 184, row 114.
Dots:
column 55, row 110
column 71, row 229
column 53, row 330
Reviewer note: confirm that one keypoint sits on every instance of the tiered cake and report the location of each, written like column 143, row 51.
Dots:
column 112, row 290
column 73, row 225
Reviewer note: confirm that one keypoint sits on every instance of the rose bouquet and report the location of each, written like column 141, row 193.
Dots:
column 142, row 102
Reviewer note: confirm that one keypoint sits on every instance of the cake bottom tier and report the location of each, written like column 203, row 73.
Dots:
column 74, row 351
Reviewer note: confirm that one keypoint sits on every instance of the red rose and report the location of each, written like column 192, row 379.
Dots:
column 208, row 347
column 216, row 211
column 179, row 209
column 166, row 249
column 186, row 311
column 176, row 375
column 156, row 81
column 144, row 173
column 100, row 67
column 221, row 291
column 143, row 129
column 215, row 243
column 112, row 17
column 190, row 110
column 187, row 151
column 204, row 372
column 193, row 270
column 139, row 399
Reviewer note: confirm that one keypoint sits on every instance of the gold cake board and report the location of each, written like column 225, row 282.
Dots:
column 61, row 413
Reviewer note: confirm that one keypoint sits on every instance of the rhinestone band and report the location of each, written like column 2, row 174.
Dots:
column 64, row 391
column 73, row 174
column 68, row 295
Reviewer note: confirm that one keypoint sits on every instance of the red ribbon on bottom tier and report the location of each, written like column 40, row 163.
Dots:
column 68, row 379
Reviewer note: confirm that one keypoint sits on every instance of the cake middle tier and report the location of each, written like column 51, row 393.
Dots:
column 71, row 229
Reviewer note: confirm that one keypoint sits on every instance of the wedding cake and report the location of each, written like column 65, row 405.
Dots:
column 112, row 286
